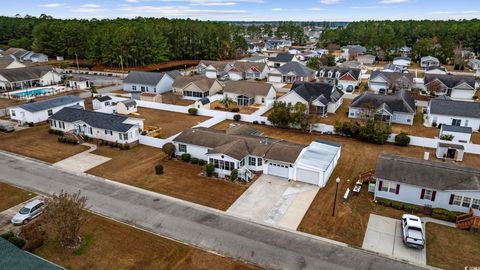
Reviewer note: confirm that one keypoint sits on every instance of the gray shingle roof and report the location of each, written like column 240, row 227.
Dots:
column 103, row 98
column 282, row 58
column 444, row 106
column 324, row 92
column 458, row 129
column 129, row 103
column 247, row 88
column 355, row 72
column 25, row 73
column 296, row 68
column 424, row 173
column 50, row 103
column 450, row 80
column 400, row 102
column 94, row 119
column 13, row 258
column 148, row 78
column 392, row 76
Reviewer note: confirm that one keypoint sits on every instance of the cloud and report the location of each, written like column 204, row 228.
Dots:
column 315, row 9
column 278, row 9
column 89, row 8
column 329, row 2
column 202, row 2
column 53, row 5
column 393, row 1
column 175, row 11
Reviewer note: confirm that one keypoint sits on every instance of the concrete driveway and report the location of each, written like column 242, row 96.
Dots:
column 384, row 235
column 275, row 201
column 82, row 162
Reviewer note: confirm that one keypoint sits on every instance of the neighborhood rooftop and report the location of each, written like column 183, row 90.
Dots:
column 247, row 88
column 296, row 68
column 450, row 80
column 24, row 73
column 400, row 102
column 431, row 174
column 445, row 106
column 51, row 103
column 14, row 258
column 322, row 92
column 458, row 129
column 95, row 119
column 148, row 78
column 282, row 58
column 200, row 81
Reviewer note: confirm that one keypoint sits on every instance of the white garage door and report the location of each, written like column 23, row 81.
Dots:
column 275, row 78
column 277, row 169
column 308, row 176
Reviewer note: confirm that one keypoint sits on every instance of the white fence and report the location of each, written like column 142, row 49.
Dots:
column 433, row 143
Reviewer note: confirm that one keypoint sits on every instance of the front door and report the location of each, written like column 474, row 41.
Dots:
column 451, row 153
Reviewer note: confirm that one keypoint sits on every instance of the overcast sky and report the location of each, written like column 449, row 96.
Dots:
column 236, row 10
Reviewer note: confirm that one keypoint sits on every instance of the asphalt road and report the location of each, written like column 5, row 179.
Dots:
column 192, row 224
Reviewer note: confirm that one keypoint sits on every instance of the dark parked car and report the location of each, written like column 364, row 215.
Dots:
column 349, row 89
column 7, row 127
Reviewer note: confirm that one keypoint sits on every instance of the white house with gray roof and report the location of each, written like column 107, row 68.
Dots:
column 150, row 82
column 26, row 77
column 291, row 72
column 459, row 134
column 444, row 110
column 435, row 184
column 398, row 108
column 454, row 86
column 429, row 61
column 247, row 93
column 97, row 125
column 39, row 111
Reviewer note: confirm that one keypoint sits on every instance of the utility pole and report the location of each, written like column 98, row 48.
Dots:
column 121, row 62
column 76, row 58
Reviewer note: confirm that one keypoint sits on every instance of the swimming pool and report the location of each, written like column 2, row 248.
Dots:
column 33, row 92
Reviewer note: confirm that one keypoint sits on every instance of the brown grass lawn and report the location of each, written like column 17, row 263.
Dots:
column 11, row 196
column 170, row 98
column 243, row 109
column 5, row 103
column 450, row 248
column 37, row 143
column 112, row 245
column 351, row 218
column 170, row 123
column 340, row 115
column 181, row 180
column 476, row 137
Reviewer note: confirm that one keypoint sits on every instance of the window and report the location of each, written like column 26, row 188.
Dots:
column 466, row 201
column 142, row 88
column 13, row 112
column 263, row 100
column 134, row 88
column 259, row 162
column 466, row 122
column 50, row 112
column 389, row 187
column 242, row 162
column 428, row 194
column 222, row 165
column 476, row 204
column 182, row 148
column 456, row 122
column 457, row 200
column 252, row 161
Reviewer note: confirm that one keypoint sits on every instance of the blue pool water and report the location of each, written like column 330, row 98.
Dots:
column 34, row 92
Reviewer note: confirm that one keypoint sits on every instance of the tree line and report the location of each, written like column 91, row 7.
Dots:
column 131, row 42
column 437, row 38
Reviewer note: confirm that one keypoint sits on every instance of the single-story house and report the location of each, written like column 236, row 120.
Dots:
column 449, row 151
column 39, row 111
column 367, row 59
column 429, row 61
column 383, row 82
column 26, row 77
column 23, row 55
column 436, row 70
column 247, row 93
column 351, row 64
column 213, row 69
column 341, row 77
column 151, row 82
column 320, row 98
column 101, row 102
column 243, row 149
column 353, row 51
column 459, row 134
column 203, row 103
column 290, row 73
column 126, row 107
column 454, row 86
column 435, row 184
column 79, row 83
column 281, row 59
column 394, row 68
column 402, row 61
column 196, row 87
column 7, row 62
column 248, row 70
column 445, row 111
column 97, row 125
column 398, row 108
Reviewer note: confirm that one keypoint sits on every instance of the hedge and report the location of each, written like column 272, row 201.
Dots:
column 159, row 169
column 186, row 157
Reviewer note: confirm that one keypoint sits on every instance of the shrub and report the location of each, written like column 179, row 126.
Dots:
column 402, row 139
column 30, row 124
column 255, row 122
column 193, row 111
column 159, row 169
column 384, row 202
column 475, row 97
column 410, row 208
column 194, row 160
column 397, row 205
column 51, row 131
column 210, row 168
column 447, row 137
column 234, row 174
column 202, row 162
column 434, row 124
column 444, row 214
column 186, row 157
column 19, row 242
column 235, row 109
column 237, row 117
column 7, row 235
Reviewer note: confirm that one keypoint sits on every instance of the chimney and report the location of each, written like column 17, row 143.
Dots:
column 426, row 155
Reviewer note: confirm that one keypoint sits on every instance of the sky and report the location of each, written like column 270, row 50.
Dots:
column 250, row 10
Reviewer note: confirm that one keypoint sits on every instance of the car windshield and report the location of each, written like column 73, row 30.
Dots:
column 24, row 210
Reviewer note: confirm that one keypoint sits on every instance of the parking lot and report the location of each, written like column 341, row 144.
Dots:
column 384, row 235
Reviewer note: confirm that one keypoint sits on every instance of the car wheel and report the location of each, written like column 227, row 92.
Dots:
column 25, row 221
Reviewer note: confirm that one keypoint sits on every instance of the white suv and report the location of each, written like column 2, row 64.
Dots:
column 413, row 235
column 30, row 211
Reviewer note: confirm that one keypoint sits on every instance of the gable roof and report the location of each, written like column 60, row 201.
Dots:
column 429, row 58
column 247, row 88
column 50, row 103
column 95, row 119
column 129, row 103
column 296, row 68
column 25, row 73
column 425, row 173
column 450, row 80
column 218, row 65
column 355, row 72
column 392, row 76
column 148, row 78
column 445, row 106
column 459, row 129
column 103, row 98
column 399, row 102
column 14, row 258
column 323, row 92
column 200, row 81
column 282, row 58
column 244, row 66
column 240, row 146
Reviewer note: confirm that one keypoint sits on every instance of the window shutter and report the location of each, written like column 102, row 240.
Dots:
column 398, row 189
column 380, row 184
column 422, row 194
column 451, row 199
column 433, row 195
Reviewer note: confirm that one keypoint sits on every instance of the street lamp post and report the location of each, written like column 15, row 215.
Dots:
column 335, row 199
